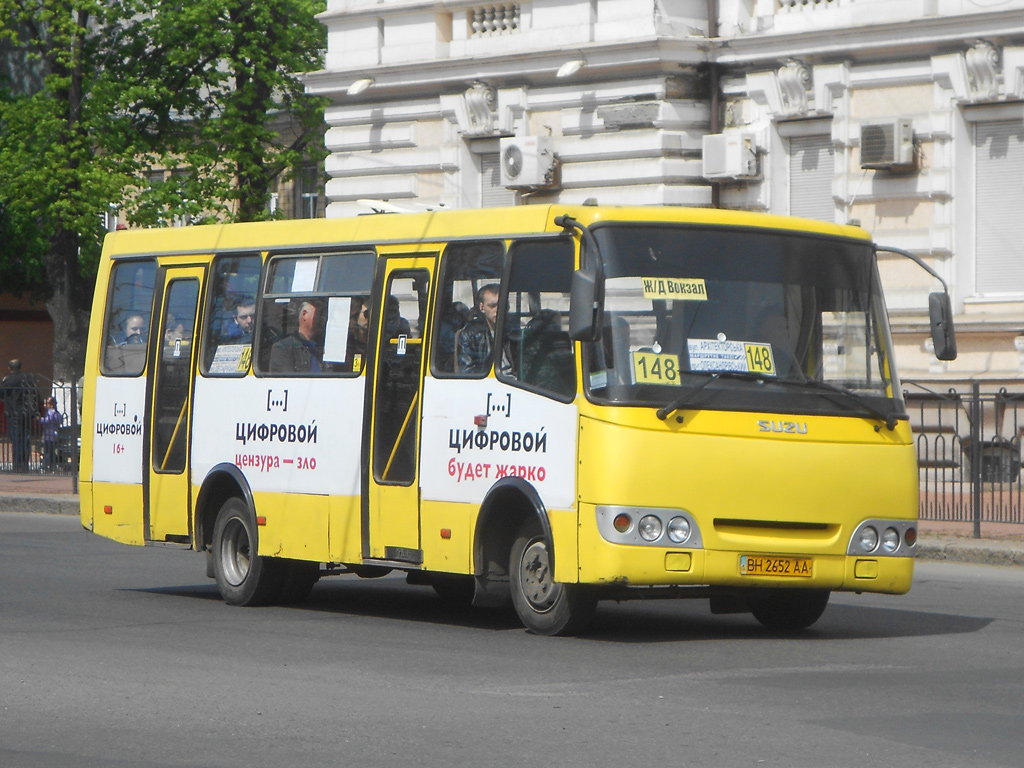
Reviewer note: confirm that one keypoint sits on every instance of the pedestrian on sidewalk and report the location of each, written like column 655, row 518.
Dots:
column 51, row 421
column 21, row 403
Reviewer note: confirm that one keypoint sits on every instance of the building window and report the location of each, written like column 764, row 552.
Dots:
column 811, row 168
column 307, row 192
column 492, row 193
column 999, row 200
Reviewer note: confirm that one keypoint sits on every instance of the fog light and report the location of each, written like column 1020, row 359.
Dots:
column 890, row 540
column 622, row 522
column 650, row 528
column 679, row 529
column 868, row 539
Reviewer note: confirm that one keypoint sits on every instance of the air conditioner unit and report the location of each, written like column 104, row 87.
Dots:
column 886, row 144
column 730, row 155
column 527, row 161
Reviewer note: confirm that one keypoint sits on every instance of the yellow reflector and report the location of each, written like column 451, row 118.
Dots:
column 678, row 561
column 866, row 569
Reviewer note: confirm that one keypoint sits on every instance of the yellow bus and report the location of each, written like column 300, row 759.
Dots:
column 542, row 405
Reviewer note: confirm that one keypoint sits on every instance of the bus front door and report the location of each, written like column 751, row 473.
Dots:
column 391, row 523
column 170, row 408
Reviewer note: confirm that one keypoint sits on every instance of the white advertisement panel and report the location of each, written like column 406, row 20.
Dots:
column 117, row 444
column 288, row 435
column 477, row 432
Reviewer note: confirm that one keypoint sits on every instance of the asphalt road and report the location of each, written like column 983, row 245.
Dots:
column 115, row 656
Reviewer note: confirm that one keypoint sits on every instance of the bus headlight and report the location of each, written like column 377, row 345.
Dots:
column 646, row 526
column 868, row 539
column 897, row 539
column 679, row 529
column 890, row 540
column 650, row 528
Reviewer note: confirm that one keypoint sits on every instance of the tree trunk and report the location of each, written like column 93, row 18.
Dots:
column 68, row 306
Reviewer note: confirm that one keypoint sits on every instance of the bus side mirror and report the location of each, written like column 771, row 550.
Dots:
column 940, row 316
column 585, row 310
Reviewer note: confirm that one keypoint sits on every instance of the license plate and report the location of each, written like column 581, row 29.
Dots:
column 756, row 565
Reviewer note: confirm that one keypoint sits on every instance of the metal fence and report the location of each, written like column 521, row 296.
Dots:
column 969, row 453
column 27, row 445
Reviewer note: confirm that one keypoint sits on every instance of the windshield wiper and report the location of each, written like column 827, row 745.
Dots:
column 679, row 402
column 889, row 418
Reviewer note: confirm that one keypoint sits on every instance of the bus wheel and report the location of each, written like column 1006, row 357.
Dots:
column 545, row 607
column 243, row 577
column 298, row 580
column 788, row 609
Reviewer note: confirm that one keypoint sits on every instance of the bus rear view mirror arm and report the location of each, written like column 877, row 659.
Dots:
column 940, row 309
column 586, row 306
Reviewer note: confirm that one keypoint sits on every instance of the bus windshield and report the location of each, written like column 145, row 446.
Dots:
column 741, row 319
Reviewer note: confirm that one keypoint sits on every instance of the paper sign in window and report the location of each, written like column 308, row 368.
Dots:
column 678, row 288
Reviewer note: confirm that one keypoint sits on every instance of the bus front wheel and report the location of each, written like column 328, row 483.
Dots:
column 788, row 610
column 545, row 606
column 243, row 577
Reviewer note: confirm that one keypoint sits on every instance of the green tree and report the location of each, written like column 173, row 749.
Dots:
column 94, row 93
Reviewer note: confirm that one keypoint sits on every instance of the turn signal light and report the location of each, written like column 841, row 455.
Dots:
column 622, row 522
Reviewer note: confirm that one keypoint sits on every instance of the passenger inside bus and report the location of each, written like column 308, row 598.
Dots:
column 238, row 328
column 475, row 341
column 126, row 353
column 134, row 330
column 301, row 351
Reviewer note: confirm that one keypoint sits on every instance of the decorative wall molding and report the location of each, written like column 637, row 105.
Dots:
column 976, row 74
column 786, row 91
column 475, row 110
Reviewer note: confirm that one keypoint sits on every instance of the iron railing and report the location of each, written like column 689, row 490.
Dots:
column 60, row 457
column 969, row 453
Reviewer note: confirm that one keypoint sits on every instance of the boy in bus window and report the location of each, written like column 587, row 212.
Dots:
column 474, row 342
column 238, row 328
column 302, row 351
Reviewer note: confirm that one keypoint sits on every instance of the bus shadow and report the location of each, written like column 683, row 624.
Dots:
column 632, row 622
column 626, row 624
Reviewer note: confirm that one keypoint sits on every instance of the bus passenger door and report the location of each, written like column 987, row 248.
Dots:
column 391, row 523
column 168, row 501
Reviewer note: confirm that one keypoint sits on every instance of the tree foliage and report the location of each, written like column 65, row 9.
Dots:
column 95, row 94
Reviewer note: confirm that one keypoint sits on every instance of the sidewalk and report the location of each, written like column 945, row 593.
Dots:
column 1001, row 543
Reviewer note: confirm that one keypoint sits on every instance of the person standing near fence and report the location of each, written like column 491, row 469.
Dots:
column 21, row 403
column 51, row 421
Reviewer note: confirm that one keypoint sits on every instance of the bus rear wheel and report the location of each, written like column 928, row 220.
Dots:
column 243, row 577
column 788, row 610
column 545, row 606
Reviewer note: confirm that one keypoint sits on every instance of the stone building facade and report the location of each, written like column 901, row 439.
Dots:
column 907, row 117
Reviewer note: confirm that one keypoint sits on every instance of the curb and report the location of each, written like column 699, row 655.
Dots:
column 953, row 549
column 978, row 551
column 46, row 504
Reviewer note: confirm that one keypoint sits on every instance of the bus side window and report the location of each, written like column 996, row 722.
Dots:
column 311, row 319
column 467, row 267
column 127, row 324
column 231, row 319
column 536, row 327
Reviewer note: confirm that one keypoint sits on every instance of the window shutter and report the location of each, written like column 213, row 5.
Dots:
column 999, row 206
column 492, row 194
column 811, row 167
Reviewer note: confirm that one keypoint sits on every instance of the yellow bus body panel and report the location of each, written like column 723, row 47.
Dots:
column 447, row 531
column 124, row 523
column 751, row 492
column 296, row 525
